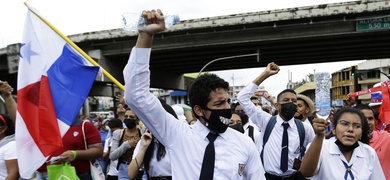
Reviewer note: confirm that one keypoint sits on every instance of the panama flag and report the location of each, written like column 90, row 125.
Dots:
column 53, row 83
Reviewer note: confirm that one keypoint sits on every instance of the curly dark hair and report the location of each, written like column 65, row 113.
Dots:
column 199, row 91
column 365, row 129
column 284, row 91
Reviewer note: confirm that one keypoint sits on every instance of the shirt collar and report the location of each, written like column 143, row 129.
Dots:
column 334, row 149
column 280, row 121
column 203, row 131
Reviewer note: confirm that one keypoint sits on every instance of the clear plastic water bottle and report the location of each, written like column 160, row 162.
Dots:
column 322, row 94
column 134, row 21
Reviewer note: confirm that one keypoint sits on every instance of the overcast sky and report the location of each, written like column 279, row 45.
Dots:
column 79, row 16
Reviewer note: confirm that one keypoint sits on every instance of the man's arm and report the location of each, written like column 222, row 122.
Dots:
column 137, row 84
column 257, row 115
column 271, row 69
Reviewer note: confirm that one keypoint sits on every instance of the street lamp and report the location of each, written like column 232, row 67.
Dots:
column 231, row 57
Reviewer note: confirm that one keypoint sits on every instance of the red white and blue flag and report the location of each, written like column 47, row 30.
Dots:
column 53, row 82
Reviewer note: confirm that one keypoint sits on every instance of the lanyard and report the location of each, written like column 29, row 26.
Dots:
column 348, row 170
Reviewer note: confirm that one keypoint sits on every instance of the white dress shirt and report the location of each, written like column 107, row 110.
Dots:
column 309, row 124
column 112, row 171
column 156, row 168
column 256, row 135
column 364, row 161
column 236, row 155
column 273, row 148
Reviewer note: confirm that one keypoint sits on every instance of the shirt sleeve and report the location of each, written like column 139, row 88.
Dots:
column 116, row 150
column 10, row 152
column 137, row 147
column 257, row 115
column 106, row 144
column 148, row 108
column 254, row 169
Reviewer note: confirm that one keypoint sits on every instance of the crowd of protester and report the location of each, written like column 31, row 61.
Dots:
column 149, row 139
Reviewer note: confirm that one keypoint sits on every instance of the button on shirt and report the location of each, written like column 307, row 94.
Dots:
column 273, row 148
column 364, row 161
column 236, row 155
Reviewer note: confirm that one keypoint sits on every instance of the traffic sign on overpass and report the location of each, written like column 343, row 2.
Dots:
column 373, row 23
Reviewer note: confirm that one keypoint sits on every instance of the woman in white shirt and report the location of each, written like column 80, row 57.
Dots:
column 345, row 156
column 151, row 156
column 8, row 158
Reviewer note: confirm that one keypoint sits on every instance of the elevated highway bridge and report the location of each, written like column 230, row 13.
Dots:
column 355, row 30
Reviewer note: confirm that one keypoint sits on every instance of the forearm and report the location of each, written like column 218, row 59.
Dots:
column 310, row 160
column 118, row 152
column 136, row 163
column 12, row 176
column 263, row 76
column 10, row 105
column 96, row 151
column 144, row 40
column 12, row 169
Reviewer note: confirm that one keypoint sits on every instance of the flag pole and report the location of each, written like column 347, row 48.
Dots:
column 71, row 43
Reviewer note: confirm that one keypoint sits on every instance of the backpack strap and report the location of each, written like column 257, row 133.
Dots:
column 267, row 132
column 250, row 133
column 302, row 134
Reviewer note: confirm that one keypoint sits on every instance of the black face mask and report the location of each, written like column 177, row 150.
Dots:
column 130, row 123
column 344, row 148
column 219, row 119
column 237, row 127
column 288, row 110
column 300, row 117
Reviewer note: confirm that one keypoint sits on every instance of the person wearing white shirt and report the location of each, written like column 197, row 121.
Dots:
column 114, row 124
column 236, row 157
column 345, row 156
column 150, row 156
column 8, row 157
column 272, row 150
column 256, row 137
column 159, row 165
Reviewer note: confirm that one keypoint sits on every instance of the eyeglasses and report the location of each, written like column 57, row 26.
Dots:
column 346, row 124
column 130, row 117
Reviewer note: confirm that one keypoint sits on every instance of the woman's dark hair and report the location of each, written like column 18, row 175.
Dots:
column 9, row 123
column 199, row 91
column 365, row 136
column 161, row 148
column 244, row 118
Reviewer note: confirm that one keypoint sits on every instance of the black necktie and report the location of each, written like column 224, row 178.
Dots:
column 284, row 157
column 207, row 171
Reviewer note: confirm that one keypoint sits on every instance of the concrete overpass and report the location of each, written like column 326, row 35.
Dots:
column 353, row 30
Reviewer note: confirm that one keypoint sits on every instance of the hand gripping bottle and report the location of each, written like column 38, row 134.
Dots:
column 134, row 21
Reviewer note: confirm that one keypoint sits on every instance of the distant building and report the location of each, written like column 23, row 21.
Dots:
column 344, row 82
column 371, row 72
